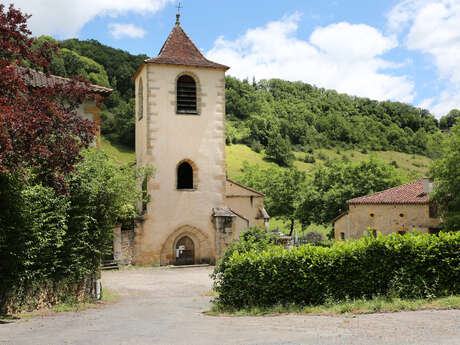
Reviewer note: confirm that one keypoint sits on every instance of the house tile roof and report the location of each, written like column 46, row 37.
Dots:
column 245, row 187
column 39, row 79
column 180, row 50
column 410, row 193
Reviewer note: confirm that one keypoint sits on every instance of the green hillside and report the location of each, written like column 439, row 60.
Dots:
column 411, row 166
column 280, row 117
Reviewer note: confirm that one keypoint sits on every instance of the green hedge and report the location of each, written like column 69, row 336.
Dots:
column 405, row 266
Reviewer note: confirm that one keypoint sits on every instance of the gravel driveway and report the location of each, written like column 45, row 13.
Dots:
column 164, row 306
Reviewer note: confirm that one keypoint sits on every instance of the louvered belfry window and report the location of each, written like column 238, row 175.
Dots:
column 186, row 95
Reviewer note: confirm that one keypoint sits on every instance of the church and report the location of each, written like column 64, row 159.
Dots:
column 195, row 211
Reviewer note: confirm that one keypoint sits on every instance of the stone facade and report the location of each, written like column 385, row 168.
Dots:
column 164, row 139
column 385, row 219
column 177, row 220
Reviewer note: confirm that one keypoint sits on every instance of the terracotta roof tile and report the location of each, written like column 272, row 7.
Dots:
column 411, row 193
column 39, row 79
column 180, row 50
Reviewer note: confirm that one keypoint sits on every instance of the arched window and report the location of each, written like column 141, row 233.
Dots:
column 140, row 100
column 186, row 95
column 185, row 176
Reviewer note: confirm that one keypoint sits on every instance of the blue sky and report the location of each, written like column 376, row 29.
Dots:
column 383, row 49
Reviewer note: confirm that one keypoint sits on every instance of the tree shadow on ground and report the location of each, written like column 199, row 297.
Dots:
column 5, row 319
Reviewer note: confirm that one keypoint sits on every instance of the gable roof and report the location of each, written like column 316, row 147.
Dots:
column 247, row 188
column 35, row 78
column 180, row 50
column 340, row 216
column 410, row 193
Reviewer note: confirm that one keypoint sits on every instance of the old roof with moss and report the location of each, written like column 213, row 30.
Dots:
column 410, row 193
column 39, row 79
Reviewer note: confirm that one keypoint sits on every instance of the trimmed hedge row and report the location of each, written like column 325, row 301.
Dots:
column 407, row 266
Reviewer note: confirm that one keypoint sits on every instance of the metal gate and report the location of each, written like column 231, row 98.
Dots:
column 185, row 251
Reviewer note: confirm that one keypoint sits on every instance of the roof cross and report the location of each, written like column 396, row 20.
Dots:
column 179, row 7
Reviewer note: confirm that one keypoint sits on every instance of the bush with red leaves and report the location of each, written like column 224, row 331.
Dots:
column 40, row 130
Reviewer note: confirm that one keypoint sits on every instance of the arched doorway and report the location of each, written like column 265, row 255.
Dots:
column 185, row 251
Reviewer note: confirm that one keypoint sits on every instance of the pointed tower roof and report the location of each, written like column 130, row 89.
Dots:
column 180, row 50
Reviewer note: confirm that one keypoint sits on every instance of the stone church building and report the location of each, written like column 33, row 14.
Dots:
column 195, row 210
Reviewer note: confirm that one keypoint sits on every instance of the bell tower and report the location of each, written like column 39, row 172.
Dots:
column 180, row 130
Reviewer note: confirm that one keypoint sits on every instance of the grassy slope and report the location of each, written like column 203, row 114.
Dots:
column 120, row 154
column 411, row 166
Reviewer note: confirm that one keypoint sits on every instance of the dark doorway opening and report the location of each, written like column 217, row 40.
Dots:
column 185, row 251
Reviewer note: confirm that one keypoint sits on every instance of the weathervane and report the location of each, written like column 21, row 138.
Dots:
column 179, row 7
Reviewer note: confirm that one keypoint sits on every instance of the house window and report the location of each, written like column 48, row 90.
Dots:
column 342, row 236
column 372, row 215
column 140, row 100
column 433, row 211
column 402, row 232
column 184, row 176
column 401, row 215
column 186, row 95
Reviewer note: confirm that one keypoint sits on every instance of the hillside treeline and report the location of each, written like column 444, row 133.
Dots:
column 272, row 115
column 308, row 117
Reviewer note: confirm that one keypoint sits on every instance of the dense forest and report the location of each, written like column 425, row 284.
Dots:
column 276, row 116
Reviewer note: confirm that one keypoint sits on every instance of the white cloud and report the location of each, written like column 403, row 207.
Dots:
column 340, row 56
column 126, row 30
column 65, row 18
column 433, row 28
column 448, row 99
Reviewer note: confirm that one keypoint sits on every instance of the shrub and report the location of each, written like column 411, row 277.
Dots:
column 314, row 237
column 322, row 156
column 309, row 158
column 256, row 146
column 256, row 239
column 411, row 266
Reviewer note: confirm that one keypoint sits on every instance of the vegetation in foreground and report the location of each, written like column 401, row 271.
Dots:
column 70, row 304
column 353, row 307
column 255, row 273
column 58, row 201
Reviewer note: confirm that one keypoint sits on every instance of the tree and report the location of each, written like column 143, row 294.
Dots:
column 39, row 127
column 326, row 194
column 279, row 149
column 449, row 120
column 446, row 172
column 283, row 189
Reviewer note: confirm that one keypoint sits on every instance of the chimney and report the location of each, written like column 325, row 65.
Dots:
column 428, row 185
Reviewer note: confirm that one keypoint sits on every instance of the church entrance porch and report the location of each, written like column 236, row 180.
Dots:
column 187, row 245
column 185, row 252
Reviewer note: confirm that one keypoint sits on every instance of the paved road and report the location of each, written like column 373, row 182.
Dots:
column 164, row 307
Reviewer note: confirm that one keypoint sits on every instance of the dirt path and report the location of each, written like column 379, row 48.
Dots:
column 164, row 307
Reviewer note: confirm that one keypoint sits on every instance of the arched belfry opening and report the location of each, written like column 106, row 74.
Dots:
column 186, row 95
column 185, row 176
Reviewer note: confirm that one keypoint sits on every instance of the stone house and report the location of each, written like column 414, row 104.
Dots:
column 195, row 211
column 88, row 110
column 399, row 209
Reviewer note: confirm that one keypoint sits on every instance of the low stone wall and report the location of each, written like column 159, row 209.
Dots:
column 123, row 246
column 48, row 293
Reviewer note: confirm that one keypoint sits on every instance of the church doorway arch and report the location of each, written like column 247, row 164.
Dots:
column 185, row 251
column 202, row 250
